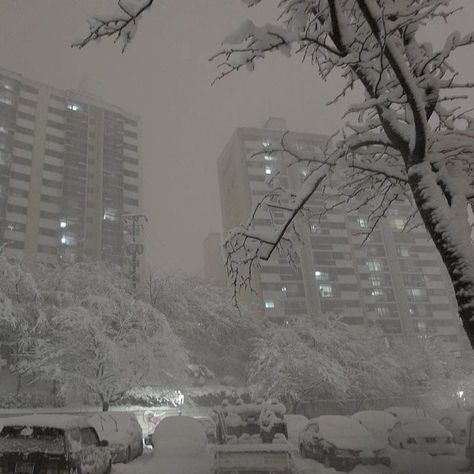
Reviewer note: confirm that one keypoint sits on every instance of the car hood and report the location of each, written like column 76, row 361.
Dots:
column 351, row 443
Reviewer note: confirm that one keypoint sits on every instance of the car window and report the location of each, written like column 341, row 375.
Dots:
column 89, row 437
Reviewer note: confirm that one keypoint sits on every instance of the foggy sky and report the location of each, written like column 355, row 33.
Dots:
column 164, row 76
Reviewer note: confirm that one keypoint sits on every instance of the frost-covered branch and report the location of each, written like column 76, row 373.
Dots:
column 121, row 27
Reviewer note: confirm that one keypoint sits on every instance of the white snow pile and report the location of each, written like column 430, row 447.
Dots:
column 295, row 425
column 179, row 436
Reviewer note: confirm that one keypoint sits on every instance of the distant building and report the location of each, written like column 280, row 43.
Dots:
column 395, row 280
column 69, row 170
column 214, row 269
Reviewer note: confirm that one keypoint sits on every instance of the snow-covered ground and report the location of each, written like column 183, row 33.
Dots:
column 402, row 463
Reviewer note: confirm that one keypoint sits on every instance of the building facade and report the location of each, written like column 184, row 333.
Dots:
column 69, row 170
column 395, row 280
column 214, row 269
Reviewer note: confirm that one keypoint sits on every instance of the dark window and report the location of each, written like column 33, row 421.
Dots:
column 27, row 88
column 16, row 192
column 22, row 145
column 51, row 199
column 48, row 232
column 53, row 168
column 126, row 146
column 53, row 124
column 24, row 101
column 21, row 161
column 20, row 176
column 54, row 110
column 25, row 116
column 130, row 187
column 47, row 249
column 17, row 209
column 132, row 174
column 15, row 244
column 49, row 214
column 54, row 139
column 52, row 184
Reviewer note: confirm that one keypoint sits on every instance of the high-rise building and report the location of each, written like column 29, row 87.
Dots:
column 395, row 280
column 69, row 171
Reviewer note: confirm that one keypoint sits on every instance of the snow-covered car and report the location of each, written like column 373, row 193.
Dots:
column 378, row 423
column 406, row 413
column 58, row 444
column 180, row 445
column 425, row 435
column 341, row 443
column 455, row 421
column 122, row 432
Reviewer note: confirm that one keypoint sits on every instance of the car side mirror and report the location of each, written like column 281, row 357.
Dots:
column 104, row 443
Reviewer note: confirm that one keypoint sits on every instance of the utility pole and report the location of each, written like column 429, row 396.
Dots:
column 134, row 222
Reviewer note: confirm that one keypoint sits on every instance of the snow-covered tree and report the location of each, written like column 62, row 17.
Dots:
column 404, row 140
column 217, row 335
column 22, row 321
column 102, row 341
column 329, row 360
column 324, row 360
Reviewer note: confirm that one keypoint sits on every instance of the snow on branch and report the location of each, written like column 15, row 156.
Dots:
column 121, row 26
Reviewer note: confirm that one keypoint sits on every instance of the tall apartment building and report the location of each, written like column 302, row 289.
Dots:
column 69, row 171
column 396, row 279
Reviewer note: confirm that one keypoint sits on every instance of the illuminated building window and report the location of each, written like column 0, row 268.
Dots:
column 325, row 290
column 269, row 304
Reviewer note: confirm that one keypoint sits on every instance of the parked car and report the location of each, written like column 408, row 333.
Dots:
column 180, row 446
column 341, row 443
column 122, row 432
column 378, row 423
column 56, row 444
column 455, row 421
column 425, row 435
column 406, row 413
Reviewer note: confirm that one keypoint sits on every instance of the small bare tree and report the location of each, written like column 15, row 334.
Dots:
column 404, row 139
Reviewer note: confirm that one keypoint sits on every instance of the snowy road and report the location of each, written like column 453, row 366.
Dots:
column 402, row 463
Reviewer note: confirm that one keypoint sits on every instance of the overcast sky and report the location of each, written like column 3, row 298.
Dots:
column 165, row 77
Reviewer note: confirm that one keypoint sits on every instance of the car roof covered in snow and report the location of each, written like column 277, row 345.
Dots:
column 422, row 427
column 375, row 420
column 345, row 433
column 62, row 422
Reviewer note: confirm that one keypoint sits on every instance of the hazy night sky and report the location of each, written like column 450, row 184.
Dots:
column 164, row 76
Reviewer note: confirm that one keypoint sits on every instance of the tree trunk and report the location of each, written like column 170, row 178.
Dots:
column 450, row 231
column 19, row 382
column 105, row 405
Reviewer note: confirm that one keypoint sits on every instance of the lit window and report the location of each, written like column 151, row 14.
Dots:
column 110, row 214
column 283, row 288
column 266, row 142
column 375, row 281
column 6, row 99
column 374, row 265
column 416, row 293
column 68, row 239
column 325, row 290
column 304, row 172
column 314, row 228
column 63, row 223
column 421, row 326
column 268, row 170
column 3, row 129
column 321, row 275
column 7, row 86
column 269, row 304
column 377, row 292
column 362, row 222
column 73, row 107
column 397, row 224
column 403, row 252
column 382, row 311
column 268, row 157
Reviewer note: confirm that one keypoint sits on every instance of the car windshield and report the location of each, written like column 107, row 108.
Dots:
column 27, row 439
